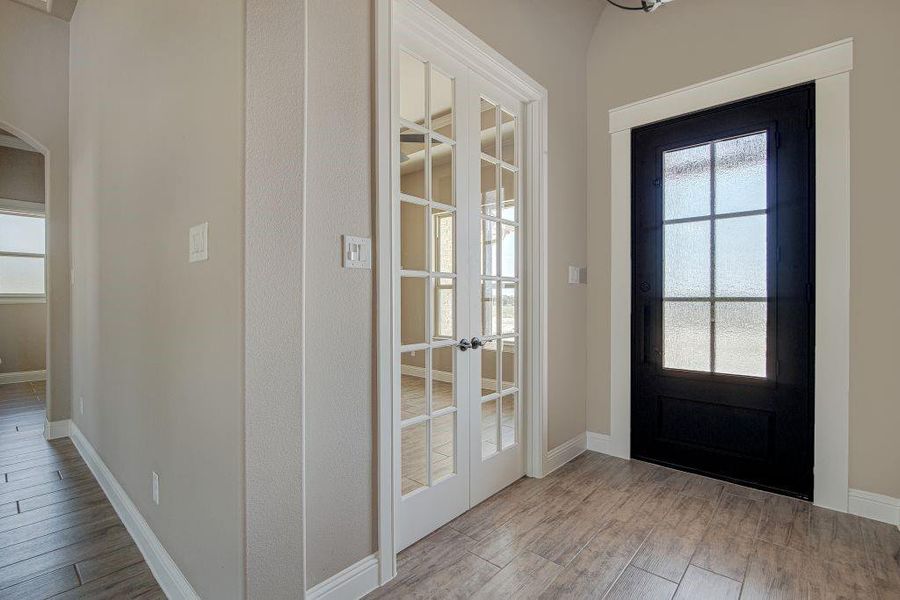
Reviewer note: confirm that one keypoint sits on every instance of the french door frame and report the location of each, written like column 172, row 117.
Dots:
column 451, row 38
column 829, row 67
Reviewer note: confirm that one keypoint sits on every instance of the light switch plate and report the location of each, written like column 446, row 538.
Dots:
column 357, row 252
column 198, row 243
column 577, row 275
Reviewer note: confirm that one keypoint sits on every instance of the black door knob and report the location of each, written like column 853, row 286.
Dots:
column 476, row 343
column 464, row 344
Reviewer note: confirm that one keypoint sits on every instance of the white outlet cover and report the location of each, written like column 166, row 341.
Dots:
column 198, row 239
column 155, row 488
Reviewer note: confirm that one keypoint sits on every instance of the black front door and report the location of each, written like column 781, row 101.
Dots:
column 722, row 299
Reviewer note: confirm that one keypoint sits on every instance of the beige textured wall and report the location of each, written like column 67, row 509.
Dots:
column 34, row 102
column 340, row 374
column 635, row 56
column 21, row 175
column 157, row 140
column 23, row 337
column 274, row 214
column 548, row 40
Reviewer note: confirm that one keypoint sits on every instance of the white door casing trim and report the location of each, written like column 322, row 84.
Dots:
column 455, row 40
column 829, row 67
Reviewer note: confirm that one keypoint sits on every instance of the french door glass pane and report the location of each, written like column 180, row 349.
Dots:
column 489, row 368
column 443, row 435
column 441, row 103
column 489, row 128
column 686, row 268
column 741, row 244
column 741, row 338
column 412, row 89
column 442, row 168
column 412, row 163
column 19, row 233
column 508, row 420
column 508, row 363
column 489, row 307
column 489, row 197
column 508, row 250
column 412, row 310
column 686, row 182
column 412, row 384
column 443, row 370
column 489, row 248
column 686, row 335
column 444, row 302
column 444, row 230
column 508, row 137
column 412, row 236
column 413, row 463
column 489, row 427
column 21, row 275
column 508, row 308
column 508, row 183
column 741, row 174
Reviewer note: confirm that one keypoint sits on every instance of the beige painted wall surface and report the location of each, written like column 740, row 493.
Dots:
column 157, row 140
column 23, row 337
column 636, row 56
column 34, row 101
column 548, row 40
column 340, row 375
column 21, row 175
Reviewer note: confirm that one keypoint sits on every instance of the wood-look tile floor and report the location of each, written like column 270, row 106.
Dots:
column 602, row 527
column 59, row 535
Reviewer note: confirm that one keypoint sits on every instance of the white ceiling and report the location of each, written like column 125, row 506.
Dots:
column 62, row 9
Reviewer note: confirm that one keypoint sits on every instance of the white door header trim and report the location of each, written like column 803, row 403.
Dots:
column 817, row 63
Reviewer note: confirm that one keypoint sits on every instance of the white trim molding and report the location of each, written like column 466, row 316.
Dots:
column 355, row 581
column 170, row 578
column 563, row 453
column 874, row 506
column 598, row 442
column 23, row 376
column 829, row 67
column 53, row 430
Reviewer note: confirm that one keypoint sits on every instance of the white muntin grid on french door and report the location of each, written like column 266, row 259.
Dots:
column 499, row 277
column 428, row 274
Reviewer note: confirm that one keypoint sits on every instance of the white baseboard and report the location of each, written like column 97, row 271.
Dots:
column 874, row 506
column 598, row 442
column 168, row 575
column 23, row 376
column 563, row 453
column 57, row 429
column 352, row 583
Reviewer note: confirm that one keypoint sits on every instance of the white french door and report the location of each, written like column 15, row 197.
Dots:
column 496, row 449
column 456, row 261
